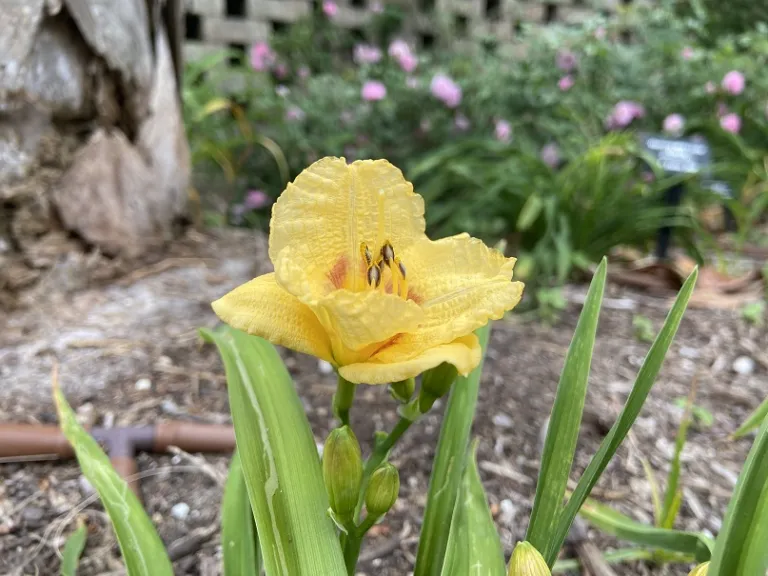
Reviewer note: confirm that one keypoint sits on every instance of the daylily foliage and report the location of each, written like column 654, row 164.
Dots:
column 358, row 283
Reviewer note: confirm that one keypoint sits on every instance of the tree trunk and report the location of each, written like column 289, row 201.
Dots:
column 94, row 162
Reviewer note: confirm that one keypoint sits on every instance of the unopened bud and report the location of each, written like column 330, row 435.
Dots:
column 526, row 561
column 382, row 490
column 700, row 570
column 403, row 390
column 342, row 471
column 434, row 384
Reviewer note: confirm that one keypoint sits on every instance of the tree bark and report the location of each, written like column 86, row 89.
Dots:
column 94, row 163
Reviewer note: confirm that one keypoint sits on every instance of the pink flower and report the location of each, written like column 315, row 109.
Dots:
column 377, row 7
column 565, row 83
column 461, row 122
column 550, row 155
column 294, row 114
column 398, row 49
column 503, row 131
column 281, row 71
column 734, row 82
column 710, row 87
column 304, row 72
column 330, row 8
column 687, row 53
column 408, row 62
column 624, row 113
column 446, row 90
column 262, row 56
column 566, row 60
column 366, row 54
column 674, row 124
column 373, row 90
column 412, row 82
column 600, row 33
column 731, row 123
column 255, row 199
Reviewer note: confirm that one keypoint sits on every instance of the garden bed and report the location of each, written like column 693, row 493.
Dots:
column 106, row 340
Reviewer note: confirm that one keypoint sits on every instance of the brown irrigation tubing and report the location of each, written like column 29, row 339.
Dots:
column 122, row 443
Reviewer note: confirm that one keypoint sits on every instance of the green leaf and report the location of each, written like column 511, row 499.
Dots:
column 530, row 211
column 694, row 544
column 473, row 543
column 740, row 549
column 563, row 430
column 143, row 551
column 643, row 384
column 753, row 420
column 673, row 496
column 239, row 540
column 74, row 547
column 447, row 468
column 611, row 557
column 279, row 459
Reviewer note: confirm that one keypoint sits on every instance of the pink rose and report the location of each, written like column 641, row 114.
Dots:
column 255, row 199
column 566, row 60
column 373, row 90
column 408, row 62
column 674, row 124
column 461, row 122
column 446, row 90
column 398, row 49
column 731, row 123
column 330, row 8
column 734, row 82
column 366, row 54
column 503, row 131
column 550, row 155
column 624, row 113
column 262, row 56
column 565, row 83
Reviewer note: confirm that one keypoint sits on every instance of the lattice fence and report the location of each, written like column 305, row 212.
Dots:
column 214, row 24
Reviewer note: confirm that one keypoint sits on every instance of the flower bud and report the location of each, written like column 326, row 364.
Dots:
column 342, row 471
column 526, row 561
column 434, row 384
column 382, row 490
column 700, row 570
column 403, row 390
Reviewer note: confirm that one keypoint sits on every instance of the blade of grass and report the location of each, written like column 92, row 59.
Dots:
column 142, row 548
column 74, row 547
column 447, row 468
column 753, row 421
column 473, row 543
column 239, row 541
column 657, row 516
column 739, row 550
column 643, row 384
column 625, row 528
column 611, row 557
column 565, row 420
column 279, row 459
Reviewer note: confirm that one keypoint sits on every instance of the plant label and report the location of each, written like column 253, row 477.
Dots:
column 678, row 156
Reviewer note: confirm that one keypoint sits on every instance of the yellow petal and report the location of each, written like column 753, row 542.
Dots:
column 332, row 207
column 263, row 308
column 464, row 353
column 359, row 319
column 460, row 284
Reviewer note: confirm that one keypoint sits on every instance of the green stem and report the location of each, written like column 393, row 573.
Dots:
column 377, row 457
column 354, row 543
column 342, row 400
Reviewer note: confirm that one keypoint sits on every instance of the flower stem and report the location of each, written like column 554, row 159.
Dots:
column 353, row 543
column 342, row 400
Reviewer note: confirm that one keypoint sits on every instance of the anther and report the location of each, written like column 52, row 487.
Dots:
column 401, row 266
column 387, row 253
column 365, row 253
column 374, row 276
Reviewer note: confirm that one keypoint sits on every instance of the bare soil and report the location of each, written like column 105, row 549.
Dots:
column 143, row 326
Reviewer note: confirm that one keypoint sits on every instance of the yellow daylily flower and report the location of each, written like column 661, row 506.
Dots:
column 358, row 283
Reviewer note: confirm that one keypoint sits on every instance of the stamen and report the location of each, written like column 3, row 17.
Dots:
column 374, row 276
column 387, row 253
column 365, row 253
column 402, row 285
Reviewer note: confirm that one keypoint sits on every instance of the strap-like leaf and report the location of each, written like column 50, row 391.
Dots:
column 448, row 467
column 563, row 430
column 473, row 543
column 143, row 551
column 637, row 396
column 239, row 540
column 753, row 421
column 70, row 557
column 279, row 459
column 741, row 548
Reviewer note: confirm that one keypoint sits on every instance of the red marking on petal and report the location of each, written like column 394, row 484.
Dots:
column 415, row 297
column 387, row 344
column 338, row 273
